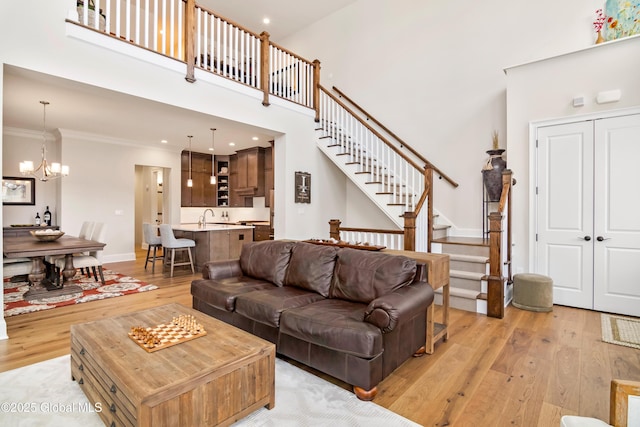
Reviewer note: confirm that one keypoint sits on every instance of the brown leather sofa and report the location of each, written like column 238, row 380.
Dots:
column 354, row 314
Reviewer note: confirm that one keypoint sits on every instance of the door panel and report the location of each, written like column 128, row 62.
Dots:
column 564, row 213
column 617, row 215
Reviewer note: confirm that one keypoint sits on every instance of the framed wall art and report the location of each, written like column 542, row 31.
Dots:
column 303, row 187
column 18, row 191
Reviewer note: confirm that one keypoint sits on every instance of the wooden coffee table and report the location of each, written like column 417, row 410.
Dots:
column 215, row 379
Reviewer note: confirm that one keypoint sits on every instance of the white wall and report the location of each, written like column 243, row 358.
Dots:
column 432, row 72
column 544, row 90
column 20, row 145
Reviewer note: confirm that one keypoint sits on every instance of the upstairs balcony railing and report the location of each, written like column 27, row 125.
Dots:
column 187, row 32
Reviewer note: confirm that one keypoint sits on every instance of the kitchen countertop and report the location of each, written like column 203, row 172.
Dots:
column 210, row 227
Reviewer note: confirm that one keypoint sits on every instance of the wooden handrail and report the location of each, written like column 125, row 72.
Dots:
column 371, row 230
column 228, row 21
column 375, row 132
column 397, row 138
column 291, row 53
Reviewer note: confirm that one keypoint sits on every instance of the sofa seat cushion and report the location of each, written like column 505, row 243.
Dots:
column 311, row 267
column 362, row 276
column 266, row 260
column 222, row 293
column 266, row 306
column 334, row 324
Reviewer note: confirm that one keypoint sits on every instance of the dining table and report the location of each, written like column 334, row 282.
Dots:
column 41, row 284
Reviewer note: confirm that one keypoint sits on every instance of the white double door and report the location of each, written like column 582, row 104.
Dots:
column 588, row 213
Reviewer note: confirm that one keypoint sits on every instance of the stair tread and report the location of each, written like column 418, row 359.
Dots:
column 460, row 274
column 459, row 292
column 469, row 258
column 441, row 226
column 469, row 241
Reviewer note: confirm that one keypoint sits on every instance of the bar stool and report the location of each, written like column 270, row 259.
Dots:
column 153, row 241
column 169, row 242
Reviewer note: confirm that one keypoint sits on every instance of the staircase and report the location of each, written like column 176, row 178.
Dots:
column 469, row 267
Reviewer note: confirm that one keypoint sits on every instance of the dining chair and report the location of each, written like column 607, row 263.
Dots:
column 94, row 259
column 15, row 267
column 154, row 241
column 86, row 229
column 170, row 245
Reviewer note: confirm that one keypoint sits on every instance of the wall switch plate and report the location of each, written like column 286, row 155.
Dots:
column 119, row 212
column 578, row 101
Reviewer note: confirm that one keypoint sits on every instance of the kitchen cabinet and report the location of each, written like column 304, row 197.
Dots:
column 251, row 172
column 222, row 173
column 215, row 242
column 268, row 174
column 203, row 193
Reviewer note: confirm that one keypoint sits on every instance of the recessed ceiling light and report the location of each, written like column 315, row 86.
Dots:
column 164, row 141
column 266, row 21
column 255, row 138
column 210, row 149
column 232, row 144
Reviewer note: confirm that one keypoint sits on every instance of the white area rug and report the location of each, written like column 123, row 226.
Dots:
column 43, row 394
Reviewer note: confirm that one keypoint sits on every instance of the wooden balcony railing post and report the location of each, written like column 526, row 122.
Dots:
column 334, row 229
column 190, row 39
column 316, row 88
column 409, row 231
column 265, row 61
column 495, row 285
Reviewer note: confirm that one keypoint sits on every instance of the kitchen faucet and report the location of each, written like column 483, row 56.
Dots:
column 204, row 216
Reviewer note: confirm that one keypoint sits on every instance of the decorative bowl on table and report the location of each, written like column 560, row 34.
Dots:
column 47, row 235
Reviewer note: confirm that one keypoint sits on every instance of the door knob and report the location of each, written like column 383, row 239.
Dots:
column 587, row 238
column 602, row 239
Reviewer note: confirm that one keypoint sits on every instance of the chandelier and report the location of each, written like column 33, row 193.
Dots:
column 213, row 169
column 45, row 171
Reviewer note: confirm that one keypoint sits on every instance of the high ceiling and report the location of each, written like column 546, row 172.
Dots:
column 93, row 110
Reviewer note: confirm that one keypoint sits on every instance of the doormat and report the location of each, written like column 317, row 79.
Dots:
column 621, row 330
column 115, row 285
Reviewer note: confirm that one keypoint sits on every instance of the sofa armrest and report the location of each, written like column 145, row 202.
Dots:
column 221, row 269
column 388, row 310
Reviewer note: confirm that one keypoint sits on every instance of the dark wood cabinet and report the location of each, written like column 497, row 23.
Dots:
column 223, row 186
column 249, row 180
column 268, row 175
column 203, row 193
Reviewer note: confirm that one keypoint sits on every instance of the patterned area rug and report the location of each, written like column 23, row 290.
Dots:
column 621, row 330
column 43, row 394
column 115, row 285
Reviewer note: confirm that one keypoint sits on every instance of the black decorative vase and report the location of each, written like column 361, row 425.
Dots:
column 492, row 174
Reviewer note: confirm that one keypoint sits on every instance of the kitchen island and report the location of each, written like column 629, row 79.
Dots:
column 214, row 242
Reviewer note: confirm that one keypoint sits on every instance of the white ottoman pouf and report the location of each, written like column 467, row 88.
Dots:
column 574, row 421
column 533, row 292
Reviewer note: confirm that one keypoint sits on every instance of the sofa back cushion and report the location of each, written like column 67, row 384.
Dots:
column 266, row 260
column 362, row 276
column 311, row 267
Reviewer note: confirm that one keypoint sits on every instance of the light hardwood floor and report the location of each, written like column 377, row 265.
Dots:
column 527, row 369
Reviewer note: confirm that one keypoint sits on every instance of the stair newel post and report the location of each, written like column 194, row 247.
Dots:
column 428, row 188
column 189, row 39
column 409, row 231
column 316, row 89
column 495, row 287
column 265, row 60
column 507, row 181
column 334, row 229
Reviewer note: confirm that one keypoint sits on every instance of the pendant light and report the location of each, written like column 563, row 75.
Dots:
column 47, row 171
column 213, row 169
column 190, row 181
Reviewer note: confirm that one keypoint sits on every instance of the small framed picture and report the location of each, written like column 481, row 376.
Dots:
column 18, row 191
column 303, row 187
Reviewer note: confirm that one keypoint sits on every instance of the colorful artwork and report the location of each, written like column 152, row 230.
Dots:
column 623, row 19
